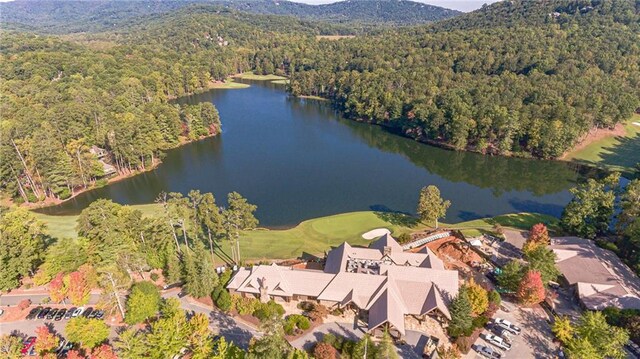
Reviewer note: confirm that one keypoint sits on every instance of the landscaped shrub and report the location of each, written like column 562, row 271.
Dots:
column 318, row 313
column 245, row 305
column 324, row 351
column 404, row 238
column 608, row 245
column 271, row 309
column 480, row 322
column 303, row 323
column 306, row 306
column 24, row 304
column 221, row 298
column 154, row 276
column 224, row 278
column 296, row 321
column 494, row 298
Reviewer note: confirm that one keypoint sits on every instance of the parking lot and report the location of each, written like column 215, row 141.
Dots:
column 535, row 340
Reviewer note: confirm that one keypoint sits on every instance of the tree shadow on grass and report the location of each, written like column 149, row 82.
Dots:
column 396, row 218
column 625, row 153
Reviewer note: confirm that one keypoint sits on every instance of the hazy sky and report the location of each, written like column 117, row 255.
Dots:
column 462, row 5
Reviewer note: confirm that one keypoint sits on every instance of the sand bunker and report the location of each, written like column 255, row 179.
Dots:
column 375, row 233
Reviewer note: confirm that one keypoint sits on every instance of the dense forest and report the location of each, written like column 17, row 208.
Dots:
column 517, row 77
column 514, row 78
column 62, row 17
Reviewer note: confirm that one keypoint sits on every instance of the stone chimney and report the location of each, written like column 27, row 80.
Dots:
column 264, row 297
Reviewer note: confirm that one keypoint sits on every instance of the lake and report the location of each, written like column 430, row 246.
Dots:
column 297, row 159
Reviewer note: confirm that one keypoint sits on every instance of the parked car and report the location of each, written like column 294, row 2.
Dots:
column 27, row 344
column 43, row 313
column 78, row 312
column 33, row 313
column 69, row 313
column 1, row 312
column 497, row 341
column 32, row 351
column 503, row 333
column 87, row 312
column 487, row 352
column 94, row 314
column 65, row 349
column 52, row 313
column 507, row 325
column 60, row 315
column 99, row 314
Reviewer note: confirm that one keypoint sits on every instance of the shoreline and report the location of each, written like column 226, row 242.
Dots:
column 52, row 202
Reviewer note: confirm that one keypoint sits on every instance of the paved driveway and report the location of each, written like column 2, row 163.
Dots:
column 536, row 339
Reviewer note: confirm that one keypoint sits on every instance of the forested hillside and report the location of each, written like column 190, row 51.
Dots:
column 60, row 98
column 520, row 83
column 60, row 17
column 516, row 77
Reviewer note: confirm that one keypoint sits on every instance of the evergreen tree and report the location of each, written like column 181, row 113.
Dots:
column 461, row 319
column 386, row 349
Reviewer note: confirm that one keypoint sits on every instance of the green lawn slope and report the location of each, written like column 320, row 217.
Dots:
column 615, row 153
column 315, row 236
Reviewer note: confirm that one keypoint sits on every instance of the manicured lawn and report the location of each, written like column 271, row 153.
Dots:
column 516, row 220
column 280, row 82
column 252, row 76
column 315, row 236
column 616, row 153
column 65, row 226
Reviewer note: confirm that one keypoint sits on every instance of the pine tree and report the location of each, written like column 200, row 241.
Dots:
column 460, row 310
column 386, row 349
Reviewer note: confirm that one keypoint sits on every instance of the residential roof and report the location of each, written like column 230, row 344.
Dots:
column 601, row 278
column 382, row 279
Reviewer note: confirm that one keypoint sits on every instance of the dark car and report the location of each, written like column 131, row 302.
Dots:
column 52, row 313
column 65, row 349
column 43, row 313
column 33, row 313
column 60, row 314
column 87, row 312
column 99, row 314
column 94, row 314
column 502, row 332
column 69, row 313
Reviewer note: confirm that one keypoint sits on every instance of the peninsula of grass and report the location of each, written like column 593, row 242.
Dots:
column 614, row 153
column 228, row 84
column 252, row 76
column 280, row 82
column 315, row 236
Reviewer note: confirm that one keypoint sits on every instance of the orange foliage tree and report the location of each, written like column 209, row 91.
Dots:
column 46, row 341
column 538, row 235
column 104, row 351
column 531, row 289
column 57, row 289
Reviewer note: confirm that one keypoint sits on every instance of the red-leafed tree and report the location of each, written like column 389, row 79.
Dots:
column 57, row 289
column 538, row 235
column 24, row 304
column 78, row 291
column 74, row 354
column 104, row 351
column 46, row 341
column 324, row 351
column 531, row 290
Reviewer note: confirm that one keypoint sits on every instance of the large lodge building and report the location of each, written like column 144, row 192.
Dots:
column 382, row 282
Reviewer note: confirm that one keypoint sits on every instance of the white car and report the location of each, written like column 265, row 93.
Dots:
column 507, row 325
column 1, row 312
column 77, row 312
column 497, row 341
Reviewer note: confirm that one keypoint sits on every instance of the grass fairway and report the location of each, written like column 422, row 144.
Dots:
column 280, row 82
column 252, row 76
column 315, row 236
column 522, row 221
column 616, row 153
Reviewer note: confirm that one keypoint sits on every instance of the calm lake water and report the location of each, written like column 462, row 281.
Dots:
column 297, row 159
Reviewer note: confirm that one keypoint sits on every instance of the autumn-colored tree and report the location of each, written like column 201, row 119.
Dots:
column 74, row 354
column 538, row 235
column 57, row 289
column 24, row 304
column 77, row 289
column 531, row 290
column 104, row 351
column 478, row 297
column 450, row 352
column 46, row 341
column 324, row 351
column 10, row 346
column 562, row 329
